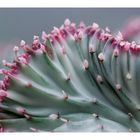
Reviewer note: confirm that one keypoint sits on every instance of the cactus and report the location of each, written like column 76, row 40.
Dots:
column 78, row 79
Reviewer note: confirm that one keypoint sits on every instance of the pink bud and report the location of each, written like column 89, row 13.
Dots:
column 22, row 43
column 63, row 50
column 127, row 46
column 80, row 34
column 3, row 94
column 95, row 26
column 67, row 22
column 82, row 24
column 122, row 43
column 107, row 29
column 56, row 30
column 119, row 36
column 16, row 49
column 35, row 37
column 44, row 36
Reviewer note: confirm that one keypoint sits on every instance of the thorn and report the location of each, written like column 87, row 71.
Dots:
column 10, row 65
column 36, row 40
column 85, row 64
column 16, row 49
column 29, row 84
column 44, row 36
column 118, row 87
column 119, row 36
column 127, row 46
column 99, row 79
column 128, row 76
column 63, row 50
column 122, row 43
column 67, row 22
column 23, row 112
column 101, row 57
column 130, row 116
column 22, row 43
column 68, row 77
column 91, row 49
column 56, row 29
column 64, row 120
column 82, row 24
column 79, row 35
column 95, row 26
column 54, row 116
column 22, row 60
column 95, row 115
column 94, row 101
column 107, row 29
column 28, row 117
column 116, row 52
column 35, row 37
column 65, row 95
column 34, row 129
column 3, row 95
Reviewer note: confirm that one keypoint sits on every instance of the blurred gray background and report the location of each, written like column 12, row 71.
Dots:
column 17, row 24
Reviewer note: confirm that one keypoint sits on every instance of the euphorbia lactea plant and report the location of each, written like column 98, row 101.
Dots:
column 78, row 79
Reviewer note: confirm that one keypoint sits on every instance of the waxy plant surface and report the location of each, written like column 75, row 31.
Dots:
column 77, row 79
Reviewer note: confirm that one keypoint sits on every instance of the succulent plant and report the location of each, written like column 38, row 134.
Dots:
column 78, row 79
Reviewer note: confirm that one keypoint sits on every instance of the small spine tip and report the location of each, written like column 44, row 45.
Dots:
column 101, row 57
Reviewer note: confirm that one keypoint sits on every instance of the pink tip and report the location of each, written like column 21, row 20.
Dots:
column 95, row 26
column 122, row 43
column 119, row 36
column 82, row 24
column 107, row 29
column 127, row 46
column 16, row 49
column 63, row 50
column 3, row 94
column 56, row 30
column 44, row 36
column 67, row 22
column 22, row 43
column 35, row 37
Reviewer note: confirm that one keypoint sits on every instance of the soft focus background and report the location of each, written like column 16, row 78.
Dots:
column 17, row 24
